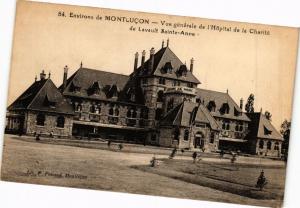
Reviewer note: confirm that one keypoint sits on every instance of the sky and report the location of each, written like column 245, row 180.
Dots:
column 262, row 64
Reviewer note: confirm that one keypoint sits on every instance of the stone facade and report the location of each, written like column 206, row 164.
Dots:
column 158, row 104
column 50, row 125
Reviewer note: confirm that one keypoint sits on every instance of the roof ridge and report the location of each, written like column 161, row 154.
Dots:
column 35, row 96
column 102, row 71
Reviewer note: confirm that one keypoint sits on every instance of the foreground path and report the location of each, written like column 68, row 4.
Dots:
column 33, row 162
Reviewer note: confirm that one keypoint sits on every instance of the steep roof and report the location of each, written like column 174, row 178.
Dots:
column 220, row 98
column 261, row 127
column 181, row 115
column 42, row 95
column 84, row 78
column 165, row 56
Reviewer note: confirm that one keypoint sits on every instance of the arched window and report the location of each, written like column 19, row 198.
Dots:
column 144, row 113
column 60, row 122
column 269, row 145
column 131, row 113
column 186, row 134
column 162, row 81
column 79, row 107
column 212, row 137
column 261, row 144
column 111, row 111
column 226, row 125
column 276, row 147
column 116, row 112
column 40, row 119
column 93, row 109
column 98, row 109
column 176, row 133
column 160, row 95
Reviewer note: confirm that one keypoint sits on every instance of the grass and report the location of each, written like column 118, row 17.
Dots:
column 94, row 167
column 233, row 178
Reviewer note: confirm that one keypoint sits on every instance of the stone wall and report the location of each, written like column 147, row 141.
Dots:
column 166, row 137
column 274, row 150
column 50, row 125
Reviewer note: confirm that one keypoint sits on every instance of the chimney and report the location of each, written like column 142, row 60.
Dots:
column 227, row 91
column 136, row 58
column 81, row 64
column 163, row 44
column 143, row 57
column 192, row 65
column 151, row 60
column 241, row 103
column 49, row 75
column 65, row 77
column 168, row 42
column 42, row 75
column 35, row 78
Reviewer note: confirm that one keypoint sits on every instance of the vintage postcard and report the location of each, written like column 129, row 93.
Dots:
column 149, row 104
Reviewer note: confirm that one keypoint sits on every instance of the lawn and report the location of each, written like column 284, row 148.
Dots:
column 28, row 161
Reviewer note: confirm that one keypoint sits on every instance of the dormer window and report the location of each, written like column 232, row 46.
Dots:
column 74, row 88
column 182, row 71
column 267, row 131
column 211, row 106
column 168, row 68
column 49, row 103
column 225, row 108
column 113, row 91
column 95, row 89
column 237, row 113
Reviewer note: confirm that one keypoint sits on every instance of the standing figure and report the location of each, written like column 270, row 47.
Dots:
column 194, row 155
column 261, row 181
column 153, row 162
column 120, row 146
column 37, row 137
column 108, row 144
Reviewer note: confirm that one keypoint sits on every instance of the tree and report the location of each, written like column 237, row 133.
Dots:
column 285, row 131
column 250, row 103
column 268, row 115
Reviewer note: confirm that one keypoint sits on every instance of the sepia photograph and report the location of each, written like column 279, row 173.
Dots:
column 150, row 104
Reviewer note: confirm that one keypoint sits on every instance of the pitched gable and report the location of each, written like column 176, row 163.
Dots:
column 182, row 115
column 27, row 96
column 50, row 99
column 84, row 79
column 222, row 101
column 165, row 57
column 261, row 127
column 42, row 95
